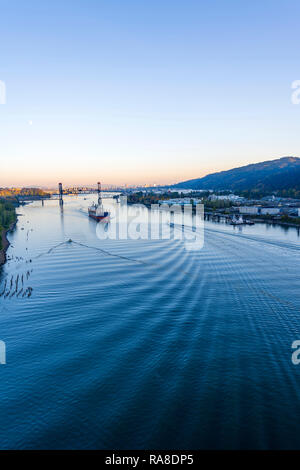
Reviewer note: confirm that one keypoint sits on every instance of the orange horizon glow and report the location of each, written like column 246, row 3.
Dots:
column 49, row 178
column 107, row 178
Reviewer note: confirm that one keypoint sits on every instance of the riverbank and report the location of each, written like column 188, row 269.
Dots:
column 276, row 222
column 8, row 219
column 256, row 220
column 5, row 243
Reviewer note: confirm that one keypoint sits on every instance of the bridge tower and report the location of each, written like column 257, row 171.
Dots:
column 99, row 193
column 60, row 190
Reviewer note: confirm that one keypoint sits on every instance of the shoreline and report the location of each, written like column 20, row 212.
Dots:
column 255, row 220
column 5, row 243
column 272, row 222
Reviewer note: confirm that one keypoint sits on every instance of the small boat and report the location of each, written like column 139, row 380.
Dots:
column 237, row 220
column 96, row 211
column 249, row 222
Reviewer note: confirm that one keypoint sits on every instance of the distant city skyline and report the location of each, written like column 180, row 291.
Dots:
column 145, row 92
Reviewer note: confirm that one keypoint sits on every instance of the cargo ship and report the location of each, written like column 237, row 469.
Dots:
column 96, row 211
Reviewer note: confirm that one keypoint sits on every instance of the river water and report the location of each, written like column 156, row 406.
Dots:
column 132, row 344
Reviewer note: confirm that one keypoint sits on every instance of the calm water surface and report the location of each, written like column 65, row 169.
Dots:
column 147, row 345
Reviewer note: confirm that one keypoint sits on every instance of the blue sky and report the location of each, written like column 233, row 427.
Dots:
column 145, row 92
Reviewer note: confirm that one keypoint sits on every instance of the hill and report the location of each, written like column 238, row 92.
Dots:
column 280, row 175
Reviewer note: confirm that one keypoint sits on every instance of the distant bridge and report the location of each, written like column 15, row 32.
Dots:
column 82, row 190
column 88, row 191
column 104, row 196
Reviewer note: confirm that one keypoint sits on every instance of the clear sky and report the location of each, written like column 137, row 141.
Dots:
column 136, row 91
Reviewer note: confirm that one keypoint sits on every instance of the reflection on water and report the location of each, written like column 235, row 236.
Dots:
column 144, row 344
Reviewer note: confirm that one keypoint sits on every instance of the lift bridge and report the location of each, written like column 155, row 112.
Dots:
column 81, row 190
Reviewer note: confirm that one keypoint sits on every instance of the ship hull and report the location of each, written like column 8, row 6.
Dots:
column 100, row 218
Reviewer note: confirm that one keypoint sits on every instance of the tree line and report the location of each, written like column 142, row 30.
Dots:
column 7, row 216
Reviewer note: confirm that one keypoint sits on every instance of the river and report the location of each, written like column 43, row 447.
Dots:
column 132, row 344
